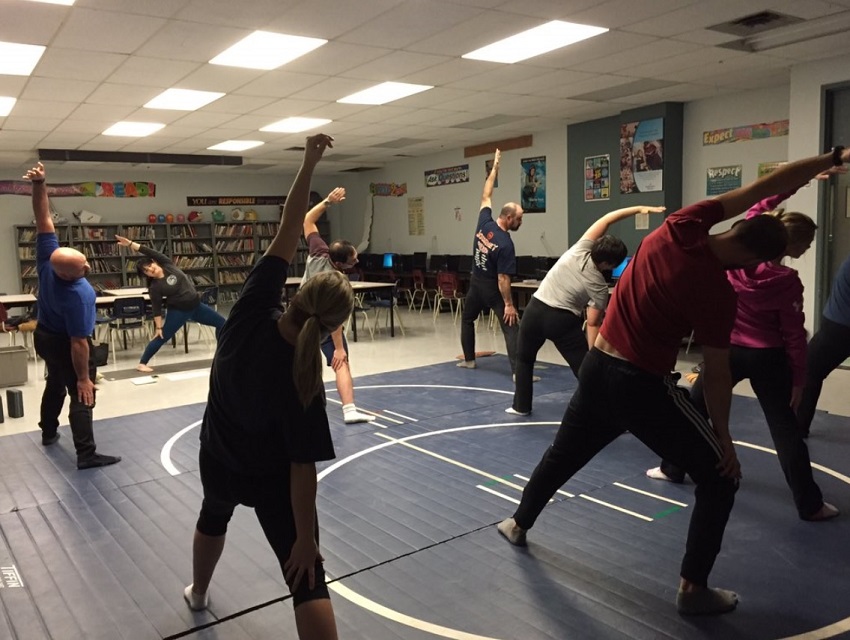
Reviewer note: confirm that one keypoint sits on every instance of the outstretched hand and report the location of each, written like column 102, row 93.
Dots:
column 315, row 147
column 832, row 171
column 124, row 242
column 337, row 195
column 36, row 174
column 654, row 210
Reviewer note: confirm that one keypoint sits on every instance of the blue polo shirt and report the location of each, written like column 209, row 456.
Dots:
column 64, row 306
column 837, row 306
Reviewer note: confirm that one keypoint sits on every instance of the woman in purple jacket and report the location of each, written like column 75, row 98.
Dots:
column 768, row 348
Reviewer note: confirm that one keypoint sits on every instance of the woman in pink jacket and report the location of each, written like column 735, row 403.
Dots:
column 768, row 347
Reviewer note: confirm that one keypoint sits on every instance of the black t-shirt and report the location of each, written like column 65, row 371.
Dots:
column 254, row 423
column 174, row 285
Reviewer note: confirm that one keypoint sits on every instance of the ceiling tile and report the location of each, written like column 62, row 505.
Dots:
column 114, row 31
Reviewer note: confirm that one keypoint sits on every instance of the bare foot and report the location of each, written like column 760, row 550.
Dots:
column 143, row 368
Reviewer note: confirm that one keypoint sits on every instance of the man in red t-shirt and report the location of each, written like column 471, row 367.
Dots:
column 675, row 282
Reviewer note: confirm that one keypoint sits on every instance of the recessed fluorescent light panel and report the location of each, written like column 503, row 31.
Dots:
column 133, row 129
column 385, row 92
column 6, row 105
column 236, row 145
column 295, row 125
column 266, row 50
column 534, row 42
column 67, row 3
column 183, row 99
column 19, row 59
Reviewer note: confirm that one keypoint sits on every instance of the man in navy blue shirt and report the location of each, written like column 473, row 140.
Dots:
column 66, row 314
column 494, row 262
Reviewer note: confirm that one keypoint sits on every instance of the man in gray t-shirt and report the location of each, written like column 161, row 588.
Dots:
column 341, row 255
column 573, row 286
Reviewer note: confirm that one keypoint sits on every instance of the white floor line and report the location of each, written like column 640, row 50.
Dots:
column 378, row 424
column 401, row 415
column 379, row 415
column 563, row 493
column 496, row 493
column 454, row 462
column 616, row 508
column 651, row 495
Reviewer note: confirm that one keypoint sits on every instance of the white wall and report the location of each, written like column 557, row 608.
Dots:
column 751, row 107
column 172, row 188
column 443, row 232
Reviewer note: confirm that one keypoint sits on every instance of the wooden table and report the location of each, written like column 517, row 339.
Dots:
column 18, row 300
column 126, row 292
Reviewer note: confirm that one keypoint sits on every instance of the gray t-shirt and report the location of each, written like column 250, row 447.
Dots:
column 318, row 259
column 574, row 282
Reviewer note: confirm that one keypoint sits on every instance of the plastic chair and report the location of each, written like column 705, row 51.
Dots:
column 448, row 285
column 128, row 314
column 360, row 306
column 385, row 303
column 418, row 289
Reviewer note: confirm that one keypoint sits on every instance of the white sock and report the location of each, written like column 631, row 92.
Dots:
column 467, row 364
column 351, row 415
column 515, row 535
column 196, row 601
column 514, row 412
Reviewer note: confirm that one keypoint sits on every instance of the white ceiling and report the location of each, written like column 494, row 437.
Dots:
column 106, row 58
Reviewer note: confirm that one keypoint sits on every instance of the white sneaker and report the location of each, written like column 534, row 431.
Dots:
column 514, row 412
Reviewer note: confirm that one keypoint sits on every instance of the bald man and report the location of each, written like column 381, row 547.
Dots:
column 66, row 314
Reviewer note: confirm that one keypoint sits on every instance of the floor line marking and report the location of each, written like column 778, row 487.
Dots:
column 401, row 415
column 380, row 415
column 563, row 493
column 489, row 476
column 615, row 507
column 496, row 493
column 647, row 493
column 378, row 424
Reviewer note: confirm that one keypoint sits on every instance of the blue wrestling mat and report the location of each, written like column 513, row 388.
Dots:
column 407, row 514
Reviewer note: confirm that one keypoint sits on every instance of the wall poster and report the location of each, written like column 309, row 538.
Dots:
column 642, row 156
column 416, row 216
column 597, row 178
column 722, row 179
column 533, row 194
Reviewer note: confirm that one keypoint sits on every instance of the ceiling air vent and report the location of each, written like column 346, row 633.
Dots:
column 755, row 23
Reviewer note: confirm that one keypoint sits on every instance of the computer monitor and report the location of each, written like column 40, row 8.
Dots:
column 452, row 263
column 526, row 266
column 464, row 263
column 420, row 260
column 618, row 270
column 389, row 260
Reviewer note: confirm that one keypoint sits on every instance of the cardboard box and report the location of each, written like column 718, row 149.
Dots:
column 13, row 365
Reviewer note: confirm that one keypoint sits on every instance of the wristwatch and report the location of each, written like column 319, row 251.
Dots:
column 836, row 155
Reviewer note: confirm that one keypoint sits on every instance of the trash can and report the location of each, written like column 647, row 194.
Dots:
column 13, row 366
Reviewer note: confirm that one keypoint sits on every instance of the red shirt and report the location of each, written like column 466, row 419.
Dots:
column 674, row 284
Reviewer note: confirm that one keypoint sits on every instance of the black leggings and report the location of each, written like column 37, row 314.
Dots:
column 828, row 348
column 769, row 373
column 271, row 500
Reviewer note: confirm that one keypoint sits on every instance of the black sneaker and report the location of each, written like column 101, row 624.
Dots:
column 97, row 460
column 48, row 440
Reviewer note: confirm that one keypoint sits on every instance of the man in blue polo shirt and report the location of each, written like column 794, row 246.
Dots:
column 494, row 262
column 66, row 314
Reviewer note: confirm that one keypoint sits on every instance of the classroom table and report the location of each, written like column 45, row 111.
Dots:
column 131, row 292
column 372, row 287
column 17, row 300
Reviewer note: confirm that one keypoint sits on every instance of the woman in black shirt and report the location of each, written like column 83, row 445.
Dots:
column 165, row 280
column 265, row 424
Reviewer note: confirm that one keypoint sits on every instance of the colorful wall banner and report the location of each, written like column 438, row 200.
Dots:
column 447, row 175
column 642, row 156
column 387, row 189
column 722, row 179
column 231, row 201
column 533, row 195
column 746, row 132
column 597, row 178
column 83, row 189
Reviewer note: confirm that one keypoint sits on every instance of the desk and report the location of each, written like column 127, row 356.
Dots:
column 18, row 300
column 126, row 292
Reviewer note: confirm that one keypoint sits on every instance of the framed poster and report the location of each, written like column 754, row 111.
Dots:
column 642, row 156
column 533, row 194
column 597, row 177
column 722, row 179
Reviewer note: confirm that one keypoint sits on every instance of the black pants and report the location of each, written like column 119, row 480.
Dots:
column 613, row 396
column 769, row 373
column 828, row 348
column 55, row 350
column 270, row 498
column 484, row 294
column 540, row 323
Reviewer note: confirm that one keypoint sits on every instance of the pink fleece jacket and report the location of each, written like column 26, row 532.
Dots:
column 770, row 305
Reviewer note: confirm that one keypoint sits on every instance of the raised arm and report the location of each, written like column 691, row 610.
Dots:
column 313, row 215
column 600, row 227
column 285, row 242
column 40, row 203
column 161, row 258
column 788, row 176
column 487, row 194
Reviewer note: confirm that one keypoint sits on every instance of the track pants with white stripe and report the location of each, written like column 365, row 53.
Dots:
column 614, row 396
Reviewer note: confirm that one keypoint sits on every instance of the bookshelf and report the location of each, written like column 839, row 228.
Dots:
column 210, row 253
